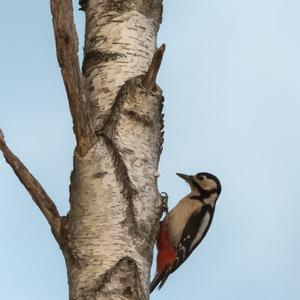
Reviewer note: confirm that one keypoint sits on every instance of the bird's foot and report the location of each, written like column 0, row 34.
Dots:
column 164, row 202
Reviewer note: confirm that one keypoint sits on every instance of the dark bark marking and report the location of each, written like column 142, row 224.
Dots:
column 96, row 57
column 122, row 177
column 83, row 4
column 99, row 174
column 111, row 120
column 151, row 9
column 127, row 273
column 67, row 247
column 128, row 292
column 119, row 5
column 146, row 121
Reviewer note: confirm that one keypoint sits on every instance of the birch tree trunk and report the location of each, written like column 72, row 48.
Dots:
column 108, row 235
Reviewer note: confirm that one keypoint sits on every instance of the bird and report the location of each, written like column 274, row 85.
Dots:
column 185, row 226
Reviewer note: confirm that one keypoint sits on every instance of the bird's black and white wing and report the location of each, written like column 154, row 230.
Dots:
column 193, row 233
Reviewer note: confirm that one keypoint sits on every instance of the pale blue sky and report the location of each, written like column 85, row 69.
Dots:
column 231, row 81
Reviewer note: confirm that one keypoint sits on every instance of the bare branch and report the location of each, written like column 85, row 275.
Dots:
column 152, row 72
column 67, row 56
column 38, row 194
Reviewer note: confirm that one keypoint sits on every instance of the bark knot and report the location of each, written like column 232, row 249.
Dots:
column 126, row 273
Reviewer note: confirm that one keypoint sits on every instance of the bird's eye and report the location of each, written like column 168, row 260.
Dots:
column 200, row 177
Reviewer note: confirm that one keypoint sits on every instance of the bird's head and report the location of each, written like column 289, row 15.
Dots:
column 203, row 184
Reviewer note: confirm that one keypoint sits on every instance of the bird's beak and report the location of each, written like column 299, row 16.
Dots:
column 187, row 178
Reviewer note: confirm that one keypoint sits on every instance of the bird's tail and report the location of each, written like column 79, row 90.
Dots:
column 159, row 279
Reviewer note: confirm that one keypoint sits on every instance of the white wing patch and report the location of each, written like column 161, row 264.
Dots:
column 202, row 228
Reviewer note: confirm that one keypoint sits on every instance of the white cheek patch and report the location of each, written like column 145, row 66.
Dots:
column 202, row 228
column 208, row 184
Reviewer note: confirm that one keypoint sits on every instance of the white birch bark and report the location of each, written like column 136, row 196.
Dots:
column 119, row 44
column 115, row 204
column 108, row 235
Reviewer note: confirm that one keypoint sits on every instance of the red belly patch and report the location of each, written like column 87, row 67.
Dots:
column 166, row 253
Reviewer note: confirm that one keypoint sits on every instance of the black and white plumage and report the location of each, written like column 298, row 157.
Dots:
column 183, row 229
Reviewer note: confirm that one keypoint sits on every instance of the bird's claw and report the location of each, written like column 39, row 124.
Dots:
column 164, row 200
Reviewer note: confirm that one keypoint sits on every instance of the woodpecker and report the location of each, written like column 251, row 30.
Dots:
column 185, row 226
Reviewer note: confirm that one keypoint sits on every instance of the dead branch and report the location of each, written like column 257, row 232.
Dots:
column 67, row 56
column 150, row 76
column 38, row 194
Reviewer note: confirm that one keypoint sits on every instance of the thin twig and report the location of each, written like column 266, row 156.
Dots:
column 38, row 194
column 150, row 76
column 67, row 56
